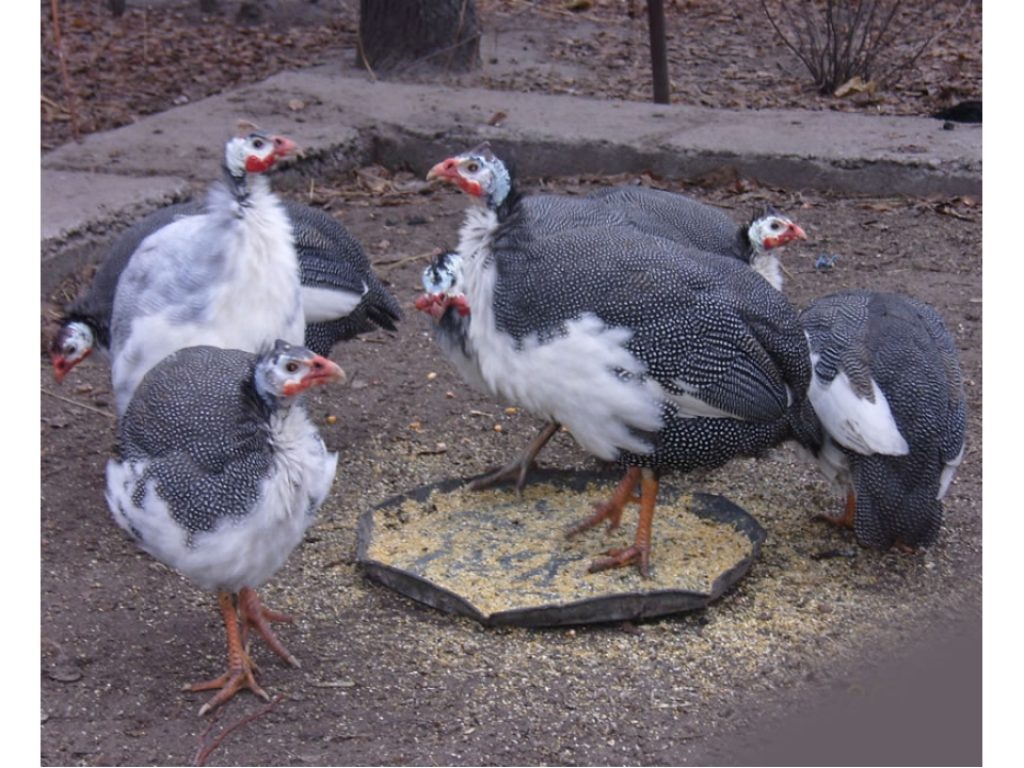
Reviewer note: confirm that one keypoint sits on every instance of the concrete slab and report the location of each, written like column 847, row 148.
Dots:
column 72, row 201
column 348, row 121
column 328, row 114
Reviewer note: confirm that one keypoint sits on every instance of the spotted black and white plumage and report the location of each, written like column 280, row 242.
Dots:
column 705, row 231
column 526, row 272
column 221, row 470
column 228, row 277
column 647, row 352
column 888, row 390
column 342, row 297
column 698, row 225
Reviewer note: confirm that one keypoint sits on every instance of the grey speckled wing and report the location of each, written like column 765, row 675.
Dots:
column 96, row 304
column 197, row 419
column 715, row 325
column 330, row 258
column 902, row 345
column 676, row 217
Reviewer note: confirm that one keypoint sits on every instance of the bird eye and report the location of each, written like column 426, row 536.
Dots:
column 472, row 167
column 292, row 367
column 776, row 224
column 258, row 143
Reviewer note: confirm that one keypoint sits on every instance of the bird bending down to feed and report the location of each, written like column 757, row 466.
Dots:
column 341, row 296
column 221, row 473
column 888, row 390
column 677, row 218
column 228, row 277
column 85, row 325
column 652, row 354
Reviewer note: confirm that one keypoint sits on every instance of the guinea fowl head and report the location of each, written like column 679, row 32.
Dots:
column 440, row 279
column 255, row 152
column 479, row 173
column 72, row 344
column 771, row 229
column 287, row 371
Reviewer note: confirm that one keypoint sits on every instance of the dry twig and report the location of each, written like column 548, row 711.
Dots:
column 204, row 752
column 853, row 38
column 77, row 404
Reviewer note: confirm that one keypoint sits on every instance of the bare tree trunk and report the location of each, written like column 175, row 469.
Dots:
column 418, row 35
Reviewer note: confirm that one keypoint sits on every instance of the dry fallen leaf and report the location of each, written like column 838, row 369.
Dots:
column 854, row 85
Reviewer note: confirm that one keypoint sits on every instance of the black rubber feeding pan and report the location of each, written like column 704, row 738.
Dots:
column 501, row 559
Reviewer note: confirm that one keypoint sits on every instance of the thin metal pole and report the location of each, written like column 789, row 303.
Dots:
column 659, row 54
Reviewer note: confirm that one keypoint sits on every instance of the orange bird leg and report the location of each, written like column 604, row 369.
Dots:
column 240, row 668
column 640, row 552
column 846, row 519
column 611, row 510
column 253, row 614
column 519, row 468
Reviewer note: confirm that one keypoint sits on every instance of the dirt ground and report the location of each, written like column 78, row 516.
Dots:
column 824, row 653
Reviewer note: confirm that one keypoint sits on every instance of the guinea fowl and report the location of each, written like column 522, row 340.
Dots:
column 888, row 390
column 341, row 295
column 447, row 306
column 660, row 213
column 228, row 277
column 85, row 325
column 221, row 473
column 690, row 222
column 653, row 355
column 482, row 175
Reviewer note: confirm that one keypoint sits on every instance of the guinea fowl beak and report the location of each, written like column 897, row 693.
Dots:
column 322, row 371
column 426, row 301
column 283, row 146
column 60, row 367
column 793, row 232
column 446, row 169
column 319, row 370
column 450, row 170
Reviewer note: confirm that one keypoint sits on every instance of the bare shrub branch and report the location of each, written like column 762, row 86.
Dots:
column 837, row 40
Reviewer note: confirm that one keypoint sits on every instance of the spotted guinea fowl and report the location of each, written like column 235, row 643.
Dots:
column 342, row 297
column 653, row 355
column 85, row 324
column 483, row 175
column 221, row 473
column 888, row 390
column 693, row 223
column 228, row 277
